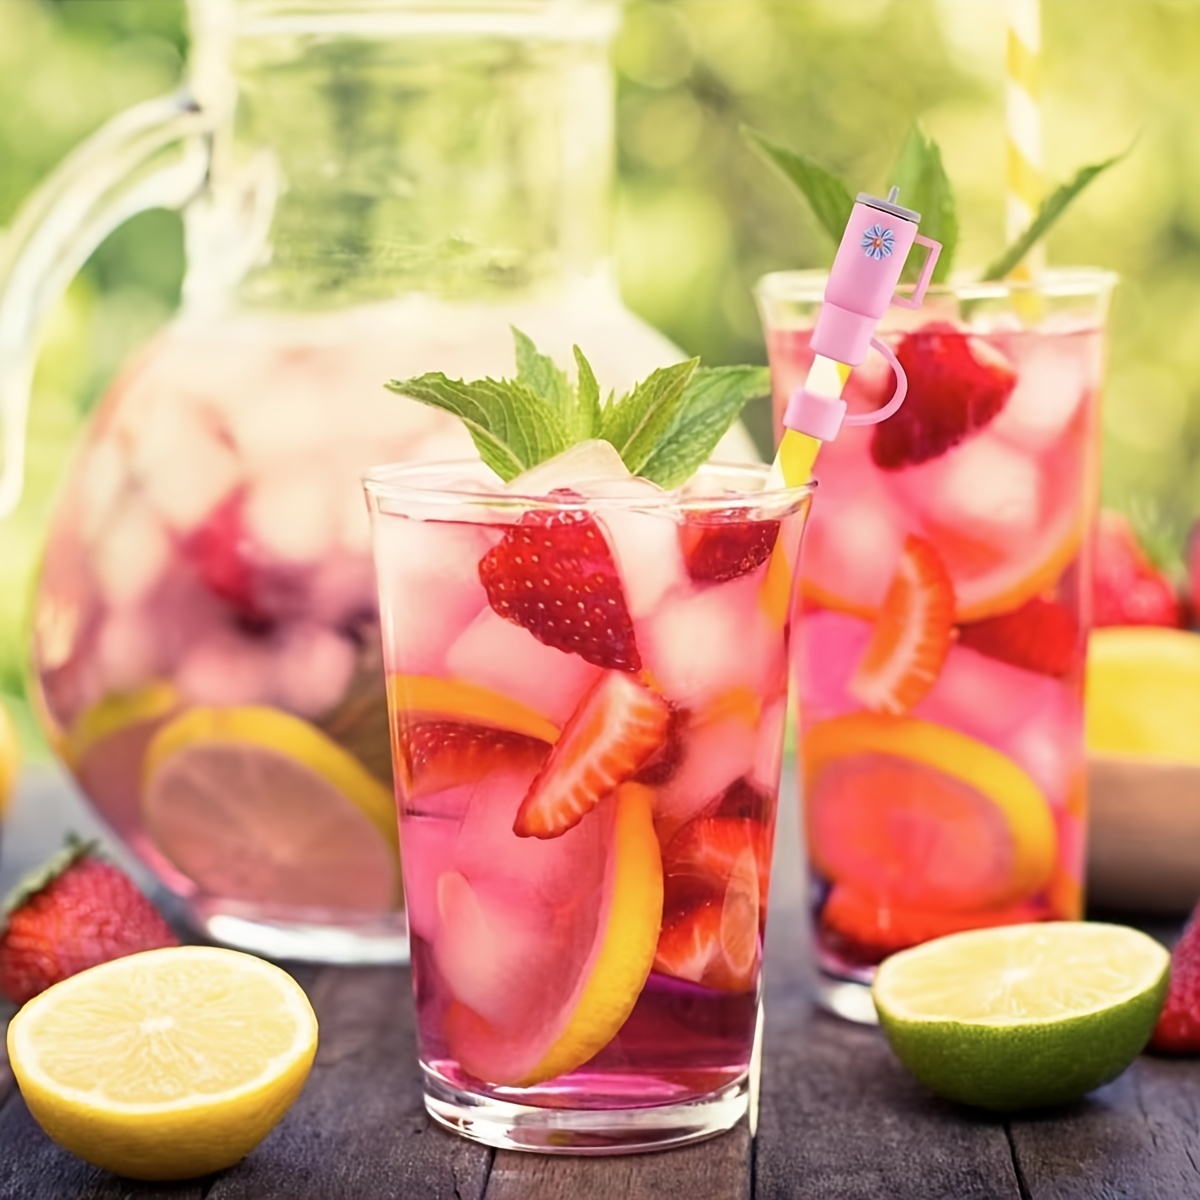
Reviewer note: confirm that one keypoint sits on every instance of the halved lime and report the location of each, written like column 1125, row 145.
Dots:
column 1023, row 1016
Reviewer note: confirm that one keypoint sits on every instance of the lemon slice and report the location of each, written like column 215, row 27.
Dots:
column 165, row 1065
column 1143, row 693
column 922, row 815
column 255, row 804
column 8, row 759
column 547, row 957
column 1022, row 1016
column 453, row 700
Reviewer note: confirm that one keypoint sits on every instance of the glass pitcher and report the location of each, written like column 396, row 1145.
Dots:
column 370, row 189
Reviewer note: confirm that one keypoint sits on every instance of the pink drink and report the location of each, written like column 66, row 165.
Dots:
column 587, row 793
column 945, row 791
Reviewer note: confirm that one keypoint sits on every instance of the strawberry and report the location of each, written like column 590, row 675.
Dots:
column 219, row 550
column 1194, row 572
column 715, row 943
column 741, row 799
column 615, row 729
column 719, row 546
column 74, row 912
column 445, row 754
column 1040, row 636
column 912, row 634
column 867, row 929
column 956, row 385
column 660, row 768
column 1178, row 1028
column 709, row 851
column 554, row 575
column 1126, row 589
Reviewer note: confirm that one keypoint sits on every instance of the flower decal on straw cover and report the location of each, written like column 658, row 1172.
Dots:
column 877, row 242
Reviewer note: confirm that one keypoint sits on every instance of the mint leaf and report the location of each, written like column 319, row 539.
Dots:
column 539, row 374
column 831, row 200
column 925, row 187
column 636, row 423
column 513, row 428
column 588, row 403
column 1052, row 208
column 711, row 402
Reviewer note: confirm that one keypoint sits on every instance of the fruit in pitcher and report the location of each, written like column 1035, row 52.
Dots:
column 617, row 727
column 254, row 804
column 166, row 1065
column 912, row 634
column 918, row 814
column 554, row 574
column 1127, row 588
column 74, row 912
column 957, row 384
column 720, row 546
column 1041, row 635
column 531, row 1002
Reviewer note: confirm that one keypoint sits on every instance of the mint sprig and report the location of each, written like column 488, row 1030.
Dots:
column 663, row 429
column 925, row 187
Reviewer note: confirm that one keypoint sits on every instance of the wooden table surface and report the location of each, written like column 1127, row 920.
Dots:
column 838, row 1118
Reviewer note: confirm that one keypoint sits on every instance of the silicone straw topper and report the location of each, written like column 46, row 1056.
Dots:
column 862, row 286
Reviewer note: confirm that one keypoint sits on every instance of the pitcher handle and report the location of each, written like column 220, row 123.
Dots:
column 154, row 155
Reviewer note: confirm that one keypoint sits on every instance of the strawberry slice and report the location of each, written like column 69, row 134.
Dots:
column 866, row 929
column 554, row 575
column 615, row 729
column 912, row 635
column 660, row 768
column 710, row 851
column 715, row 943
column 1040, row 636
column 1127, row 589
column 719, row 546
column 956, row 385
column 444, row 754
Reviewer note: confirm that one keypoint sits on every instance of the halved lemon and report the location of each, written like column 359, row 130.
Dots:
column 546, row 945
column 921, row 815
column 1143, row 693
column 1022, row 1016
column 255, row 804
column 432, row 698
column 165, row 1065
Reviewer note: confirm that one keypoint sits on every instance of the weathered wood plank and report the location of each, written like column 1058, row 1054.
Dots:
column 1136, row 1139
column 714, row 1170
column 359, row 1128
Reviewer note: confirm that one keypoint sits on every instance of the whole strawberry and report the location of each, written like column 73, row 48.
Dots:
column 1128, row 589
column 1178, row 1028
column 73, row 912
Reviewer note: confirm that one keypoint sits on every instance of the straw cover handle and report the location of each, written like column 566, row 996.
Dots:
column 915, row 300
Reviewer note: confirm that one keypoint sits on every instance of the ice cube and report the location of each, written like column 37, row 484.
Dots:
column 828, row 647
column 584, row 463
column 314, row 668
column 497, row 654
column 429, row 587
column 1052, row 384
column 768, row 746
column 715, row 753
column 186, row 490
column 700, row 643
column 291, row 512
column 428, row 854
column 645, row 544
column 132, row 554
column 229, row 668
column 982, row 487
column 102, row 483
column 128, row 650
column 1048, row 741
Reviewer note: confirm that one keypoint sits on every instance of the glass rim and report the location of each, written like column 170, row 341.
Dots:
column 400, row 482
column 808, row 285
column 565, row 20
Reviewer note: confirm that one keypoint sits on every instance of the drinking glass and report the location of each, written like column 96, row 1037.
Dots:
column 944, row 788
column 587, row 692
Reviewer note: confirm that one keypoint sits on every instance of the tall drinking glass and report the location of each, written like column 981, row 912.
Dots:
column 587, row 698
column 940, row 658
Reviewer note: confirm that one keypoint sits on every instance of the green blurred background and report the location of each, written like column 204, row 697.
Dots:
column 698, row 217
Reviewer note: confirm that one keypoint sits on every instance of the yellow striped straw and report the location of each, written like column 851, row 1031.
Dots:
column 1024, row 127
